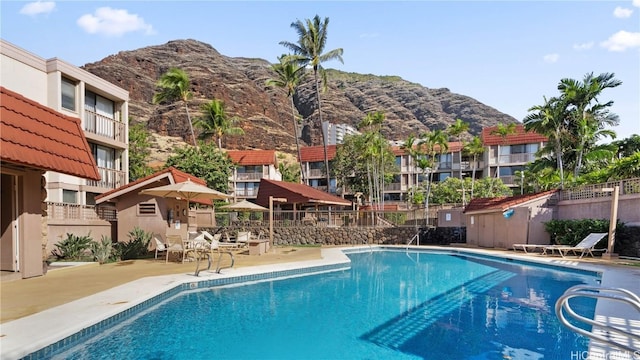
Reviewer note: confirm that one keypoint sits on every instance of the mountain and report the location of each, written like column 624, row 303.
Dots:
column 266, row 112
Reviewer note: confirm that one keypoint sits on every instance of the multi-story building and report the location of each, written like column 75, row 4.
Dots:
column 101, row 106
column 335, row 133
column 312, row 163
column 504, row 156
column 251, row 167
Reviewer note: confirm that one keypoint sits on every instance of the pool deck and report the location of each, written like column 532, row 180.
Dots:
column 102, row 294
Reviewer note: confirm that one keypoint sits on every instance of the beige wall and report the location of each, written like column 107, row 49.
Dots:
column 451, row 218
column 600, row 208
column 58, row 230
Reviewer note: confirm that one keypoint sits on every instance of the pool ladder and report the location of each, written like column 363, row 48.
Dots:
column 218, row 268
column 615, row 294
column 415, row 237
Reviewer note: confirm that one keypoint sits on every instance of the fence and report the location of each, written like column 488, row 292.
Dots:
column 627, row 187
column 65, row 211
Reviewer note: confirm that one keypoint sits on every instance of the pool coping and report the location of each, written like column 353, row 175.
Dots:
column 59, row 324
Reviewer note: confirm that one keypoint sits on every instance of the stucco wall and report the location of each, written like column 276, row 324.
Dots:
column 600, row 208
column 58, row 230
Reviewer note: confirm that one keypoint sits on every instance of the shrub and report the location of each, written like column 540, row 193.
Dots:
column 72, row 248
column 571, row 232
column 136, row 247
column 102, row 251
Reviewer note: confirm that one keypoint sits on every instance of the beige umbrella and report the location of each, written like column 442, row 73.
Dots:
column 185, row 190
column 244, row 205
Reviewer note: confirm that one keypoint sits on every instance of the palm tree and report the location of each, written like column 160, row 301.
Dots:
column 174, row 85
column 216, row 122
column 410, row 149
column 289, row 74
column 474, row 148
column 434, row 143
column 587, row 119
column 455, row 130
column 550, row 120
column 312, row 38
column 503, row 131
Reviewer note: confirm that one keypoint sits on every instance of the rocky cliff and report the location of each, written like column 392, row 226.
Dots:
column 266, row 112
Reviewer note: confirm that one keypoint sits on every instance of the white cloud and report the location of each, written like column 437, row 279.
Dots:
column 583, row 46
column 551, row 58
column 113, row 22
column 636, row 3
column 621, row 41
column 38, row 7
column 622, row 13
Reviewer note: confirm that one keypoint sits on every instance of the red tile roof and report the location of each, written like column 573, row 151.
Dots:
column 502, row 203
column 36, row 136
column 520, row 137
column 253, row 157
column 296, row 194
column 169, row 175
column 454, row 146
column 316, row 153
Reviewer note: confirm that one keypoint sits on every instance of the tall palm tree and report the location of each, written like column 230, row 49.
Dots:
column 288, row 77
column 174, row 85
column 434, row 143
column 312, row 38
column 412, row 150
column 455, row 130
column 503, row 131
column 474, row 148
column 215, row 122
column 550, row 119
column 589, row 116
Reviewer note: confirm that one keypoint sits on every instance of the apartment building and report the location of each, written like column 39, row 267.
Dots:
column 102, row 108
column 502, row 157
column 335, row 133
column 312, row 163
column 251, row 167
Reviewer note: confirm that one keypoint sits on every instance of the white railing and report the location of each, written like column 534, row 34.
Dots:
column 95, row 123
column 109, row 178
column 248, row 176
column 517, row 158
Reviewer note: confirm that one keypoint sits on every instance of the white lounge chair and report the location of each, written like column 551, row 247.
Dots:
column 586, row 246
column 174, row 245
column 529, row 247
column 216, row 244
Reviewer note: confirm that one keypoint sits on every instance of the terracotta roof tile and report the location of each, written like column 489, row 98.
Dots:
column 502, row 203
column 36, row 136
column 316, row 153
column 253, row 157
column 453, row 146
column 168, row 173
column 296, row 194
column 520, row 137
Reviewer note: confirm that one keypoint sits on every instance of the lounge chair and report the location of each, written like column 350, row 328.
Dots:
column 216, row 244
column 529, row 247
column 173, row 245
column 586, row 246
column 243, row 238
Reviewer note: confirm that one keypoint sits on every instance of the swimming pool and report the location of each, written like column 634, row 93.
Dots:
column 389, row 304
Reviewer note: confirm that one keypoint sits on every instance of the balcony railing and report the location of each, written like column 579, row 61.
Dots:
column 64, row 211
column 248, row 176
column 109, row 178
column 315, row 173
column 517, row 158
column 95, row 123
column 245, row 192
column 629, row 186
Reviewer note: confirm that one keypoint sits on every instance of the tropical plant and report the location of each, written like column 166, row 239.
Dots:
column 455, row 130
column 588, row 116
column 206, row 162
column 309, row 50
column 216, row 122
column 289, row 172
column 474, row 148
column 73, row 248
column 136, row 247
column 102, row 251
column 288, row 76
column 139, row 151
column 435, row 144
column 174, row 85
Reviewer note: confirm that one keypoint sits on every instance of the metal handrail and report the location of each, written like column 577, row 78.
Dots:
column 616, row 294
column 415, row 237
column 233, row 260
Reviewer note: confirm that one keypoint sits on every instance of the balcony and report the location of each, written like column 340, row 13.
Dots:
column 516, row 158
column 253, row 176
column 95, row 123
column 508, row 180
column 109, row 179
column 64, row 211
column 246, row 192
column 315, row 173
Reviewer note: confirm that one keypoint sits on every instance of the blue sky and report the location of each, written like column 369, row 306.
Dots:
column 506, row 54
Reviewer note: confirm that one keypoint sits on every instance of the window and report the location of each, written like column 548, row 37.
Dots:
column 99, row 114
column 91, row 198
column 146, row 209
column 69, row 196
column 68, row 89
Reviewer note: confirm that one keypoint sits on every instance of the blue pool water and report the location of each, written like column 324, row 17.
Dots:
column 389, row 305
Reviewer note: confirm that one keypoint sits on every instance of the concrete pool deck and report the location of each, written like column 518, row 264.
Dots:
column 68, row 300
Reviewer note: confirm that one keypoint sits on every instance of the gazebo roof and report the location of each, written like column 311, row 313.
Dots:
column 298, row 194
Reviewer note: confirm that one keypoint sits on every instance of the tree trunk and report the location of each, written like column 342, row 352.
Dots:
column 324, row 140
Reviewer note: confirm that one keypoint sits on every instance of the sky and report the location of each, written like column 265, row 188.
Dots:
column 507, row 54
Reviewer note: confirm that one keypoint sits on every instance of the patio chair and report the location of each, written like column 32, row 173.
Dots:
column 175, row 244
column 586, row 246
column 243, row 238
column 216, row 244
column 529, row 247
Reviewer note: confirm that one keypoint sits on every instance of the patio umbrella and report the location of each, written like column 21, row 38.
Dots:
column 244, row 205
column 185, row 190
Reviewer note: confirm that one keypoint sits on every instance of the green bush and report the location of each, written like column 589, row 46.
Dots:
column 136, row 247
column 73, row 248
column 571, row 232
column 102, row 251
